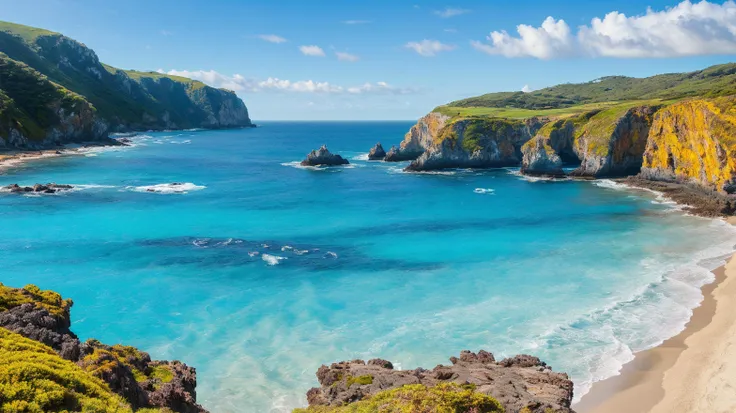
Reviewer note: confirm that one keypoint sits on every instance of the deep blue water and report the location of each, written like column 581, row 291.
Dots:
column 263, row 270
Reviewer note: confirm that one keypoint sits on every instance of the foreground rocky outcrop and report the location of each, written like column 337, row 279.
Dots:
column 50, row 188
column 323, row 157
column 420, row 137
column 477, row 143
column 519, row 384
column 377, row 153
column 694, row 141
column 43, row 316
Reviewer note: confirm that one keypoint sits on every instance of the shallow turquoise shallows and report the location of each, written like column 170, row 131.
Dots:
column 262, row 270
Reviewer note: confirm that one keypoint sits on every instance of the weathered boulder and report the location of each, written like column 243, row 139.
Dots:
column 477, row 143
column 377, row 153
column 419, row 138
column 323, row 157
column 694, row 141
column 518, row 383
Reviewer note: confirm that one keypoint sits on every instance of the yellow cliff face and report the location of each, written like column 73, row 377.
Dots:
column 694, row 140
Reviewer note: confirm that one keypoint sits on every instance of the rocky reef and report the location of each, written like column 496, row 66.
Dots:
column 474, row 382
column 54, row 90
column 377, row 153
column 420, row 137
column 694, row 141
column 477, row 143
column 323, row 157
column 38, row 350
column 50, row 188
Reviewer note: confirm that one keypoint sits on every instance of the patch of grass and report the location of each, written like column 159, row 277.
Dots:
column 50, row 300
column 27, row 33
column 163, row 373
column 442, row 398
column 360, row 380
column 34, row 379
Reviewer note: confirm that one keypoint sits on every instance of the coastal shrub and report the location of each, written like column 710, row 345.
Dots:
column 50, row 300
column 34, row 379
column 360, row 380
column 418, row 398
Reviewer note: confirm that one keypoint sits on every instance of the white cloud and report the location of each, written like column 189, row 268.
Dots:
column 239, row 83
column 687, row 29
column 450, row 30
column 450, row 12
column 347, row 57
column 429, row 48
column 356, row 21
column 272, row 38
column 312, row 51
column 166, row 33
column 526, row 89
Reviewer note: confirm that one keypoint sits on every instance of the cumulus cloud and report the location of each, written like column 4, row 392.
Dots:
column 240, row 83
column 346, row 57
column 429, row 48
column 687, row 29
column 450, row 12
column 356, row 21
column 526, row 89
column 272, row 38
column 312, row 51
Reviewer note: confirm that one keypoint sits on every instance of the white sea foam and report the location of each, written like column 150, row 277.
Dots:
column 272, row 259
column 361, row 157
column 253, row 253
column 330, row 254
column 485, row 191
column 172, row 188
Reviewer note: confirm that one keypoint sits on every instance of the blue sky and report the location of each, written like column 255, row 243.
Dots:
column 398, row 60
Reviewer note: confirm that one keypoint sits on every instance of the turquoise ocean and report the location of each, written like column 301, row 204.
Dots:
column 256, row 271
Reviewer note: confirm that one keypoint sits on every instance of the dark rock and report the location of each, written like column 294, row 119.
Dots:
column 323, row 157
column 50, row 188
column 517, row 382
column 38, row 324
column 398, row 155
column 377, row 153
column 381, row 362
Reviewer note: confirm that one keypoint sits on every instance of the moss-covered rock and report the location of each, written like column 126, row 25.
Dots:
column 30, row 294
column 442, row 398
column 694, row 140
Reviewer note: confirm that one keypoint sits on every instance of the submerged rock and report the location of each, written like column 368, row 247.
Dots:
column 522, row 383
column 377, row 153
column 323, row 157
column 50, row 188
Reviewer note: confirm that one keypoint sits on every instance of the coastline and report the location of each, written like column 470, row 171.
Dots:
column 694, row 371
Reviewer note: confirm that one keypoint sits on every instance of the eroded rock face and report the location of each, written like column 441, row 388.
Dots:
column 323, row 157
column 612, row 142
column 377, row 153
column 519, row 382
column 478, row 143
column 419, row 138
column 694, row 141
column 127, row 371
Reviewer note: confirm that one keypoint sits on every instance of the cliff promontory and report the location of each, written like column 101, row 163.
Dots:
column 105, row 98
column 44, row 367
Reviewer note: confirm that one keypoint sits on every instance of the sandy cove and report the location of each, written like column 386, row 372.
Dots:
column 693, row 372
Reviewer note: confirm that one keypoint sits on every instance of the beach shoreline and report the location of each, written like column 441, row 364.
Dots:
column 16, row 158
column 689, row 372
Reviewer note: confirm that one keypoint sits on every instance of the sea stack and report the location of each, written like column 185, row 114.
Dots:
column 323, row 157
column 377, row 153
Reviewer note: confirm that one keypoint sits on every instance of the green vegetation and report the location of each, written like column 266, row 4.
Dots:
column 34, row 379
column 29, row 34
column 50, row 300
column 360, row 380
column 714, row 81
column 414, row 398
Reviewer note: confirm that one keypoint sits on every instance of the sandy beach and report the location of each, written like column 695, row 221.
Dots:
column 694, row 371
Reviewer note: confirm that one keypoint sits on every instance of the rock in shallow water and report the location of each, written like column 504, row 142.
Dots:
column 50, row 188
column 521, row 383
column 377, row 153
column 323, row 157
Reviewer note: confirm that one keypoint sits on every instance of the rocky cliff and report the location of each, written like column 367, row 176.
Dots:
column 420, row 137
column 70, row 375
column 35, row 113
column 604, row 143
column 476, row 142
column 123, row 100
column 474, row 382
column 694, row 141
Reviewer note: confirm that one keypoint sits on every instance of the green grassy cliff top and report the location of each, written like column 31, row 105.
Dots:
column 27, row 33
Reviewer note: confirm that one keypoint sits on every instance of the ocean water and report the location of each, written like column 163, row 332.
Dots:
column 257, row 271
